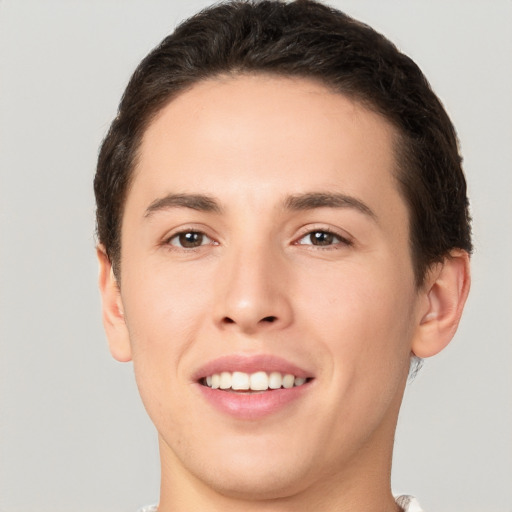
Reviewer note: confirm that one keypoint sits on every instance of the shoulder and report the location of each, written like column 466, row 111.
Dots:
column 149, row 508
column 408, row 503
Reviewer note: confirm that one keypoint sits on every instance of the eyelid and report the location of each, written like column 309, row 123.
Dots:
column 189, row 228
column 179, row 233
column 343, row 236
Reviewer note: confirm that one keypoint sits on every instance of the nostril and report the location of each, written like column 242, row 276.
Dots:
column 267, row 319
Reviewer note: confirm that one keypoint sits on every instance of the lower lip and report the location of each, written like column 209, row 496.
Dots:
column 251, row 406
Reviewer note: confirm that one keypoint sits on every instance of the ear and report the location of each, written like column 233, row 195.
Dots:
column 445, row 292
column 112, row 309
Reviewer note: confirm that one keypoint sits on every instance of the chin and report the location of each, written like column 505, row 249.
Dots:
column 251, row 468
column 255, row 483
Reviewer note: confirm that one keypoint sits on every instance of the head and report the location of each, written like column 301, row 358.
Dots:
column 281, row 191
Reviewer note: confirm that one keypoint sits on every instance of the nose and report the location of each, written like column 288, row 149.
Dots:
column 253, row 291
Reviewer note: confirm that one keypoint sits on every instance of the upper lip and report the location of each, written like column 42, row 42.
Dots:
column 249, row 364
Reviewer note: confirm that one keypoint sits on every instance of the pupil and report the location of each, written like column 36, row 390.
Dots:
column 322, row 238
column 192, row 239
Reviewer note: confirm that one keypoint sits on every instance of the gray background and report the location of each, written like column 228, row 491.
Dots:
column 73, row 434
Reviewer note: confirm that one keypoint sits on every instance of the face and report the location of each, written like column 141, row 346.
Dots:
column 265, row 245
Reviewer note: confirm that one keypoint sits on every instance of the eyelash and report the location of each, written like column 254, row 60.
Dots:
column 176, row 236
column 342, row 240
column 332, row 245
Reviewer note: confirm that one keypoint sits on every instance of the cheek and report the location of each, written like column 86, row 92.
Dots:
column 362, row 317
column 164, row 311
column 161, row 310
column 163, row 303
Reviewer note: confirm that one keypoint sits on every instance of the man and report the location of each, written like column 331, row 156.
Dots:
column 283, row 226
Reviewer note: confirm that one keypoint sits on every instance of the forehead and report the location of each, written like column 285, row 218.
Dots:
column 248, row 136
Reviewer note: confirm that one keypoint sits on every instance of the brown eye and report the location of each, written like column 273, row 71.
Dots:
column 322, row 238
column 189, row 239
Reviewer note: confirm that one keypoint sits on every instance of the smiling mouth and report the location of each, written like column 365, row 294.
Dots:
column 259, row 381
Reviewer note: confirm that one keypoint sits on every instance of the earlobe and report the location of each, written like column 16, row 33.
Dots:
column 112, row 309
column 445, row 291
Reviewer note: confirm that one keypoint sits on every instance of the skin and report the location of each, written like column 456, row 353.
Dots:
column 348, row 312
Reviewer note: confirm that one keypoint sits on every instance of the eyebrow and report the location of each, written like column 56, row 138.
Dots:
column 312, row 200
column 200, row 202
column 296, row 202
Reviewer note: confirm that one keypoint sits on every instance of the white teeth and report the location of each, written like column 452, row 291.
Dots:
column 275, row 380
column 288, row 381
column 299, row 381
column 239, row 380
column 225, row 380
column 258, row 381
